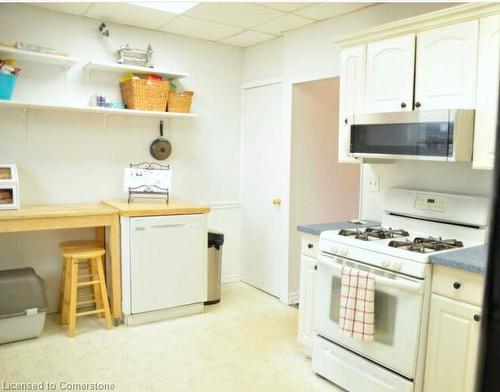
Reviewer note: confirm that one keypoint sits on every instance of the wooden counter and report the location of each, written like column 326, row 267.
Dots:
column 54, row 217
column 155, row 207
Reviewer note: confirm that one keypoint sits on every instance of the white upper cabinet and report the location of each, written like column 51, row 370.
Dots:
column 487, row 93
column 446, row 67
column 389, row 74
column 352, row 95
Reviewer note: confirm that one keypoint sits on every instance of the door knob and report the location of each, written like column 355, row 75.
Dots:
column 277, row 202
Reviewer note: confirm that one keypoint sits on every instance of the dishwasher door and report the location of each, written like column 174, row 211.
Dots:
column 168, row 258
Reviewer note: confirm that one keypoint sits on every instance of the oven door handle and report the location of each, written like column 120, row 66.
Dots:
column 399, row 283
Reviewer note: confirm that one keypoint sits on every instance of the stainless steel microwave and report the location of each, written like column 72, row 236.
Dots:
column 442, row 135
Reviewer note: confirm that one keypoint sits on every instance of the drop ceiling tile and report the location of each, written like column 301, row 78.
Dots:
column 67, row 8
column 130, row 14
column 248, row 38
column 287, row 7
column 329, row 10
column 242, row 15
column 192, row 27
column 284, row 23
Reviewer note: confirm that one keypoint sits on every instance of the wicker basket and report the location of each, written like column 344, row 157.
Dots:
column 144, row 94
column 180, row 102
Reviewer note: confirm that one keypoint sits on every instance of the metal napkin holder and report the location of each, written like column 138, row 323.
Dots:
column 149, row 191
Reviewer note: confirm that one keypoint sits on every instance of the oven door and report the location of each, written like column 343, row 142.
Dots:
column 398, row 314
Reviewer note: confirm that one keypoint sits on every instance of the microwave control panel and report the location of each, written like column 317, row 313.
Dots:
column 430, row 203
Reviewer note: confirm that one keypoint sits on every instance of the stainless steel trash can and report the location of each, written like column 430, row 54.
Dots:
column 215, row 242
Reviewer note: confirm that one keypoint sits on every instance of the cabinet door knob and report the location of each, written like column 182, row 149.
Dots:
column 277, row 202
column 457, row 285
column 477, row 317
column 310, row 246
column 418, row 104
column 316, row 267
column 345, row 121
column 403, row 105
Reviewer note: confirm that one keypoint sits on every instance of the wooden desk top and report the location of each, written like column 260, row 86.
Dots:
column 155, row 207
column 57, row 211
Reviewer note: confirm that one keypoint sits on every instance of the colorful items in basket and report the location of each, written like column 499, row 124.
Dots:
column 144, row 92
column 8, row 77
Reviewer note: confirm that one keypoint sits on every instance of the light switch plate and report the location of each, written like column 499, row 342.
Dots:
column 374, row 184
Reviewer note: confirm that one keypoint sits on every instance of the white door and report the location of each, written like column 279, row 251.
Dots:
column 446, row 67
column 398, row 313
column 306, row 301
column 168, row 259
column 351, row 96
column 452, row 346
column 390, row 67
column 487, row 93
column 264, row 226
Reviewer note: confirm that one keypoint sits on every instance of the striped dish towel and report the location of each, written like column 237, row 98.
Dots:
column 357, row 304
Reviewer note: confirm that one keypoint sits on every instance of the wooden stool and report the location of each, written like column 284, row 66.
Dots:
column 72, row 245
column 77, row 260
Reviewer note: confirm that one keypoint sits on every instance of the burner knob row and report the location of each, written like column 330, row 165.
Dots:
column 395, row 265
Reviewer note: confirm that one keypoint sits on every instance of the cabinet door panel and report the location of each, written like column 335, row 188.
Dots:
column 452, row 347
column 351, row 96
column 389, row 74
column 307, row 272
column 446, row 67
column 487, row 93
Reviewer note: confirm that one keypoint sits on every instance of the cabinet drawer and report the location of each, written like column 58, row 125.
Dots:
column 459, row 285
column 309, row 245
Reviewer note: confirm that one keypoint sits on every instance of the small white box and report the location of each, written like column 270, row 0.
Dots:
column 9, row 187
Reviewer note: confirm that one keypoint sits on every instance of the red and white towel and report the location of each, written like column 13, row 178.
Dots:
column 357, row 304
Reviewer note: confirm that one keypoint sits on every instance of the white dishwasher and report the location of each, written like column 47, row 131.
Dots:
column 168, row 256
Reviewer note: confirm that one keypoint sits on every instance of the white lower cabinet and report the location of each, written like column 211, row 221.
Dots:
column 454, row 332
column 306, row 301
column 306, row 298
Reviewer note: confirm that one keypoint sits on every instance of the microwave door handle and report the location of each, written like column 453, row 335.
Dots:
column 403, row 284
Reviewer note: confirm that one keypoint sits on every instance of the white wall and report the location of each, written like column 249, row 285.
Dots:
column 321, row 188
column 66, row 157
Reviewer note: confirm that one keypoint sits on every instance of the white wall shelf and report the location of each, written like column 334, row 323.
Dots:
column 93, row 109
column 124, row 68
column 35, row 57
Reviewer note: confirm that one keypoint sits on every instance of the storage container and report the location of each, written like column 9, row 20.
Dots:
column 7, row 83
column 22, row 305
column 180, row 102
column 145, row 94
column 9, row 187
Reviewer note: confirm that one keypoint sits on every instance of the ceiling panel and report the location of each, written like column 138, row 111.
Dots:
column 243, row 15
column 284, row 23
column 67, row 8
column 192, row 27
column 329, row 10
column 287, row 7
column 248, row 38
column 130, row 14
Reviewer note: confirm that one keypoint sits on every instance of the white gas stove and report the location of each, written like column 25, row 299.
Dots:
column 415, row 225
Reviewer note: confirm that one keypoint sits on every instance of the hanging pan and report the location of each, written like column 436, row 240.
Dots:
column 160, row 148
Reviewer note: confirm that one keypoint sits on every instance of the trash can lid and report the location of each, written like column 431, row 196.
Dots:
column 21, row 289
column 215, row 238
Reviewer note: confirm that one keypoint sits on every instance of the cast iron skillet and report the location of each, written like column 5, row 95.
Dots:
column 160, row 148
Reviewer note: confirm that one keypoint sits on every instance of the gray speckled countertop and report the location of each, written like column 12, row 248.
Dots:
column 469, row 259
column 316, row 229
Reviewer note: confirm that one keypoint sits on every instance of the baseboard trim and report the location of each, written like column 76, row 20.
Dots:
column 293, row 298
column 230, row 279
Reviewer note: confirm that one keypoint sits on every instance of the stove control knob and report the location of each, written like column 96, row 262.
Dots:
column 385, row 263
column 397, row 266
column 346, row 252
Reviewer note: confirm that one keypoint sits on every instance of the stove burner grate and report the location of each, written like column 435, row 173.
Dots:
column 426, row 245
column 373, row 233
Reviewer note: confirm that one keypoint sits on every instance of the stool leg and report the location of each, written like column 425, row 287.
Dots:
column 61, row 286
column 72, row 297
column 66, row 293
column 104, row 293
column 96, row 289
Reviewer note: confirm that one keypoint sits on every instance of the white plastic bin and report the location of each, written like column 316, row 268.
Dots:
column 22, row 305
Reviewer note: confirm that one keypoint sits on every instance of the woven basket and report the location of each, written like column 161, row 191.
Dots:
column 144, row 94
column 180, row 102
